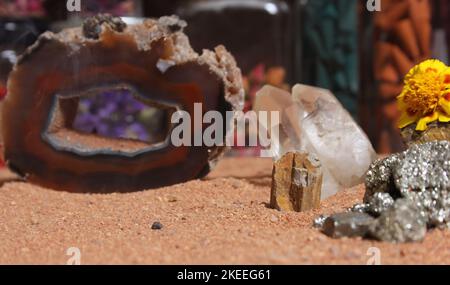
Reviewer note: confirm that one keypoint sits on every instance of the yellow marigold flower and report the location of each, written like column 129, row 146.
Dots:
column 425, row 98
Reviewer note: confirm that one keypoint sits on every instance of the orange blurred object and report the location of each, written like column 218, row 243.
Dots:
column 402, row 38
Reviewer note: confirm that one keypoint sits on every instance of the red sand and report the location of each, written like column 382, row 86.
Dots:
column 221, row 220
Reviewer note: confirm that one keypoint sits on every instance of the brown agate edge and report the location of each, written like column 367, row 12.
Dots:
column 155, row 60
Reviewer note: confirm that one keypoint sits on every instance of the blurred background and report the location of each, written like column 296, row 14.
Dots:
column 340, row 45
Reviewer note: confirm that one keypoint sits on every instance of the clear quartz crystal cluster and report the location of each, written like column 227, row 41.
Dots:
column 311, row 119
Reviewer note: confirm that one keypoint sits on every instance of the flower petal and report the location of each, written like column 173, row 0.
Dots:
column 406, row 120
column 401, row 105
column 422, row 123
column 444, row 118
column 444, row 103
column 446, row 76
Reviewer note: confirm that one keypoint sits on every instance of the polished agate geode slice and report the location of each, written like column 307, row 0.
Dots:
column 154, row 61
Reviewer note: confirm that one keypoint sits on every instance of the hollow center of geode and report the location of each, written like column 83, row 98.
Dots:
column 108, row 120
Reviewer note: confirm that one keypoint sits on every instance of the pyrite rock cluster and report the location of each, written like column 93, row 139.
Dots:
column 296, row 183
column 153, row 60
column 351, row 224
column 312, row 120
column 406, row 193
column 379, row 177
column 402, row 222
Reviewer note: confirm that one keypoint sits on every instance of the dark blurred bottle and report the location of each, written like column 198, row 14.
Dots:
column 256, row 32
column 327, row 39
column 15, row 36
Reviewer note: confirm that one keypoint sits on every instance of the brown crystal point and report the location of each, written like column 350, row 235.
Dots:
column 436, row 131
column 155, row 61
column 296, row 183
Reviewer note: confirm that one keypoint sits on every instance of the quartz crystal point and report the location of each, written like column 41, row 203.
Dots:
column 313, row 120
column 270, row 99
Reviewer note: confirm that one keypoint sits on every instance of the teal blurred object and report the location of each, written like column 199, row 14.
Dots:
column 329, row 48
